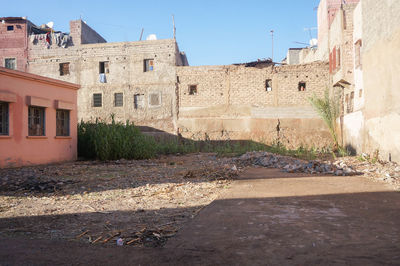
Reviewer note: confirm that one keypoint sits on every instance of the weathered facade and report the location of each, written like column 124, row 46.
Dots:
column 133, row 81
column 266, row 104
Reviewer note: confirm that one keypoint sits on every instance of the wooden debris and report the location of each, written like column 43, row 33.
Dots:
column 97, row 239
column 111, row 237
column 84, row 233
column 133, row 241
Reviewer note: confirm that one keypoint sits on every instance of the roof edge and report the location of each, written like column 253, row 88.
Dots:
column 38, row 78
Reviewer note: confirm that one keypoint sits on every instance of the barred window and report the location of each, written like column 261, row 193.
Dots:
column 118, row 99
column 3, row 118
column 10, row 63
column 36, row 118
column 97, row 101
column 62, row 122
column 154, row 99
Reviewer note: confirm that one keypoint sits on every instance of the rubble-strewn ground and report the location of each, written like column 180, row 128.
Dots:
column 142, row 202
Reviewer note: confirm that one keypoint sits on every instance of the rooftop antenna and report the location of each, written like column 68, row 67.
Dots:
column 309, row 30
column 141, row 34
column 173, row 24
column 272, row 39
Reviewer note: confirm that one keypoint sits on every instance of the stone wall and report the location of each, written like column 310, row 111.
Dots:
column 124, row 74
column 234, row 102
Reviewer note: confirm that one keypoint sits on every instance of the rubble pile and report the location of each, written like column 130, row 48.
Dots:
column 293, row 165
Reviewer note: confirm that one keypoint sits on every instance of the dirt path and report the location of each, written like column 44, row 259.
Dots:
column 265, row 218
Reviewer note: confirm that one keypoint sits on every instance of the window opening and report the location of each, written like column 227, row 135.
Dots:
column 10, row 28
column 148, row 65
column 268, row 85
column 138, row 100
column 302, row 86
column 97, row 101
column 154, row 99
column 64, row 69
column 4, row 118
column 10, row 63
column 192, row 89
column 118, row 99
column 103, row 67
column 36, row 118
column 62, row 122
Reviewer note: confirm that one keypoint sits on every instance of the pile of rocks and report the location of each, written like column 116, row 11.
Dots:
column 293, row 165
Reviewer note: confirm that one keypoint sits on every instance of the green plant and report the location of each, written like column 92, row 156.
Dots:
column 328, row 109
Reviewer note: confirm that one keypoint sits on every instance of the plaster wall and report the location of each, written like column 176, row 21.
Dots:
column 18, row 148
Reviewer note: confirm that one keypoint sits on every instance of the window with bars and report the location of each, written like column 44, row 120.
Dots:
column 138, row 100
column 10, row 63
column 64, row 69
column 148, row 65
column 118, row 99
column 62, row 122
column 154, row 99
column 97, row 100
column 36, row 118
column 3, row 118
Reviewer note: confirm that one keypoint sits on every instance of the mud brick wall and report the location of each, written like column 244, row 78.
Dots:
column 233, row 102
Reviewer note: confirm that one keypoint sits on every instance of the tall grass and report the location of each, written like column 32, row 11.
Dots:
column 114, row 141
column 328, row 109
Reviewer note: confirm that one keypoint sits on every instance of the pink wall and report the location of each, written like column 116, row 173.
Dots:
column 18, row 148
column 13, row 44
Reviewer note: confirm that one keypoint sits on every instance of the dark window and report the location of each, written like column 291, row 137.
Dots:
column 148, row 65
column 118, row 99
column 97, row 100
column 3, row 118
column 138, row 100
column 302, row 86
column 357, row 48
column 268, row 85
column 192, row 89
column 10, row 63
column 64, row 69
column 154, row 99
column 103, row 67
column 62, row 122
column 10, row 28
column 36, row 117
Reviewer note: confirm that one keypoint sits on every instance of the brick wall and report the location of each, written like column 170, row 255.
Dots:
column 232, row 101
column 13, row 43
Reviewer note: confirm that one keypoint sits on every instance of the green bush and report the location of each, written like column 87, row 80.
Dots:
column 113, row 141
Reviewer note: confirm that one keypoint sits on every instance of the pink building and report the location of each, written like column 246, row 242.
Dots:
column 38, row 119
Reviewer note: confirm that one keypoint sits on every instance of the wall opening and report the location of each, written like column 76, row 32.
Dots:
column 64, row 69
column 148, row 65
column 97, row 99
column 192, row 89
column 268, row 85
column 3, row 118
column 10, row 28
column 103, row 67
column 138, row 100
column 10, row 63
column 118, row 99
column 301, row 86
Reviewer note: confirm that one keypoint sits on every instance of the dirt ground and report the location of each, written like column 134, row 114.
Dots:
column 141, row 202
column 197, row 210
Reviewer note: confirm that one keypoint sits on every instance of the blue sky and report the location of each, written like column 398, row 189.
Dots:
column 210, row 32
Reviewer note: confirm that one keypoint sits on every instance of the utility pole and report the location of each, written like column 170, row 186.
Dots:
column 272, row 38
column 173, row 24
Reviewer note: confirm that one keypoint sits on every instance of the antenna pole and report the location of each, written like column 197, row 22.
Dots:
column 272, row 39
column 173, row 24
column 141, row 34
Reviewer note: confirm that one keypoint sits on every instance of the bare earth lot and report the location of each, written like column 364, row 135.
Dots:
column 198, row 210
column 145, row 201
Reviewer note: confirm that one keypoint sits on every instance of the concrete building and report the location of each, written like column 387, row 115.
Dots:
column 38, row 119
column 133, row 81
